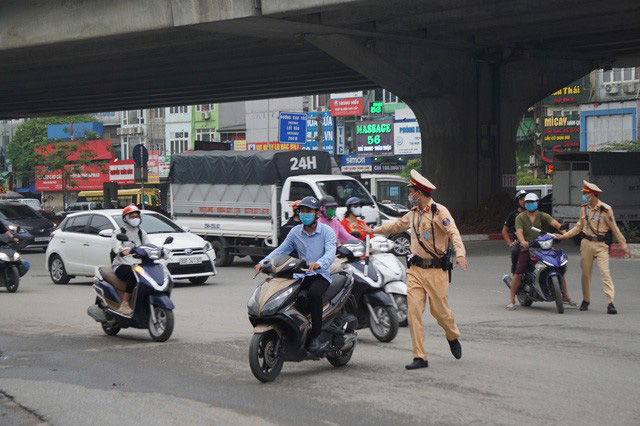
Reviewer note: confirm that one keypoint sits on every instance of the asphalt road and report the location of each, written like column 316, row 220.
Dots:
column 531, row 366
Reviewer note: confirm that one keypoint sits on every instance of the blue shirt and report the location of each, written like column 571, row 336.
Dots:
column 319, row 247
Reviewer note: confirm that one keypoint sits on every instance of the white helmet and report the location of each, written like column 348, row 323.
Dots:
column 531, row 197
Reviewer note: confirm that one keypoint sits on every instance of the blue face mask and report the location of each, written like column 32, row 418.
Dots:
column 532, row 207
column 307, row 218
column 584, row 198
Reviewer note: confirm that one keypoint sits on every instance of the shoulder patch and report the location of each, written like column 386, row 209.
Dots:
column 446, row 221
column 584, row 205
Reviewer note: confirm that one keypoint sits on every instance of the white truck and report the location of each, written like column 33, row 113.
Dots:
column 238, row 200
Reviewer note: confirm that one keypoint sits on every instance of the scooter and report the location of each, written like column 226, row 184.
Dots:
column 9, row 264
column 278, row 312
column 152, row 307
column 394, row 275
column 371, row 305
column 543, row 281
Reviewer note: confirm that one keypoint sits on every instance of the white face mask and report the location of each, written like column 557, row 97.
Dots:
column 357, row 211
column 134, row 222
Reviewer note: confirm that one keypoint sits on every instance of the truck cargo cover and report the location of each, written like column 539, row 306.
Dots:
column 606, row 163
column 246, row 167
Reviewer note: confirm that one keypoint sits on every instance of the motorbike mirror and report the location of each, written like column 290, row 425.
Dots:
column 122, row 237
column 169, row 240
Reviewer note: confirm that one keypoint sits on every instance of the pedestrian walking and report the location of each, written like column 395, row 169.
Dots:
column 432, row 228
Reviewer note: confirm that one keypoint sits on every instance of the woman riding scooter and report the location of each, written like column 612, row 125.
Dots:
column 123, row 262
column 328, row 206
column 352, row 222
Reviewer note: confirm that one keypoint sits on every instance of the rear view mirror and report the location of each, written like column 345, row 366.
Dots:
column 122, row 237
column 169, row 240
column 186, row 228
column 107, row 233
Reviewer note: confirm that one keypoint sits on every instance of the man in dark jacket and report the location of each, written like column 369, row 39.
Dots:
column 292, row 222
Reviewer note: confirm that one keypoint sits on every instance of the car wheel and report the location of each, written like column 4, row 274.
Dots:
column 401, row 244
column 57, row 270
column 198, row 280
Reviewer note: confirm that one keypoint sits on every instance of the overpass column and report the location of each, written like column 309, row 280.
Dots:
column 468, row 105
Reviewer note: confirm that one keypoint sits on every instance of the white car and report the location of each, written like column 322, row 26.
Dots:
column 83, row 241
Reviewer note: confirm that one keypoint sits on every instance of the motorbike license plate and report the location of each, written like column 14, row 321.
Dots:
column 40, row 239
column 190, row 260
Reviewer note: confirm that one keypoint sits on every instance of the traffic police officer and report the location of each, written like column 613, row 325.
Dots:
column 432, row 227
column 595, row 225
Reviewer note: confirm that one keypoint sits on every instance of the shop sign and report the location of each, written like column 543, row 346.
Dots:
column 272, row 146
column 387, row 168
column 559, row 134
column 374, row 137
column 164, row 166
column 122, row 172
column 154, row 166
column 346, row 107
column 356, row 164
column 90, row 177
column 407, row 138
column 576, row 93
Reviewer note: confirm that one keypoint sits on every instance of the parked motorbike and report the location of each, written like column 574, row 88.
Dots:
column 394, row 275
column 278, row 312
column 152, row 307
column 9, row 264
column 543, row 281
column 372, row 307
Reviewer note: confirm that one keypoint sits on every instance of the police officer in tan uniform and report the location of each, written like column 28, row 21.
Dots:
column 595, row 226
column 432, row 227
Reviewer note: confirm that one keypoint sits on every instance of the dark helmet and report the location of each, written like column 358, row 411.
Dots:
column 328, row 201
column 353, row 201
column 310, row 202
column 520, row 194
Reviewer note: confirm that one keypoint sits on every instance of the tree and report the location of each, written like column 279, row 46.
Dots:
column 414, row 163
column 631, row 146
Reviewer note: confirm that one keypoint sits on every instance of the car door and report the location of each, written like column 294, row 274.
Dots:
column 97, row 248
column 74, row 240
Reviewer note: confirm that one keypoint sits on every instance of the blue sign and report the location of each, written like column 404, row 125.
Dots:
column 356, row 160
column 328, row 142
column 140, row 155
column 73, row 130
column 292, row 128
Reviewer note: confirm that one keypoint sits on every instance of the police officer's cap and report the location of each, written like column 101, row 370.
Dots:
column 591, row 187
column 420, row 182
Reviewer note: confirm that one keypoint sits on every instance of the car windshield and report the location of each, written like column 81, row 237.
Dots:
column 18, row 211
column 34, row 204
column 342, row 190
column 153, row 224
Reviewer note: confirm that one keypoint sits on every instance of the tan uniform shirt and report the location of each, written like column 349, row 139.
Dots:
column 601, row 220
column 444, row 228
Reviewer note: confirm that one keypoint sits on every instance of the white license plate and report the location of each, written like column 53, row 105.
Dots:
column 41, row 239
column 190, row 260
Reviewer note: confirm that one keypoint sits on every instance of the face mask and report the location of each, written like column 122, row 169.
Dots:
column 357, row 211
column 412, row 201
column 532, row 207
column 585, row 199
column 307, row 218
column 134, row 222
column 331, row 212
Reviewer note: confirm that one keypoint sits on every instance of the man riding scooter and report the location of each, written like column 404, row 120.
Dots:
column 123, row 262
column 315, row 243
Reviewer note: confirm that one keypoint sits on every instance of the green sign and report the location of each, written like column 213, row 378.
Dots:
column 374, row 137
column 375, row 108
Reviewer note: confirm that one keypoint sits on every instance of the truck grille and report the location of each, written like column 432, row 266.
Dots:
column 176, row 269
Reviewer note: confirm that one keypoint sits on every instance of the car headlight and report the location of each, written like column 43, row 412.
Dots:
column 207, row 247
column 17, row 229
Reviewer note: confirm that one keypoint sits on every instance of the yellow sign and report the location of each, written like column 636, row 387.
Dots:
column 240, row 145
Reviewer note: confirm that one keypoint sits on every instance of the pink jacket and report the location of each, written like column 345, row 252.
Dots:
column 341, row 234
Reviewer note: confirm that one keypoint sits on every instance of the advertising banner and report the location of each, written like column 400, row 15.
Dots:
column 90, row 150
column 328, row 141
column 122, row 172
column 89, row 178
column 560, row 134
column 356, row 164
column 374, row 137
column 407, row 138
column 165, row 166
column 154, row 167
column 272, row 146
column 346, row 107
column 292, row 127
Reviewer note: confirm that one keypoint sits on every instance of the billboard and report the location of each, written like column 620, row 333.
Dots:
column 374, row 137
column 346, row 107
column 73, row 130
column 90, row 177
column 407, row 139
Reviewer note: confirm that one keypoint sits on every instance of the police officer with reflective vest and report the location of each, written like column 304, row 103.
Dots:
column 596, row 227
column 432, row 228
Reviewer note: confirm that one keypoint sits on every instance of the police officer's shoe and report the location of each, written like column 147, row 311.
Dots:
column 314, row 345
column 456, row 348
column 611, row 309
column 584, row 306
column 417, row 363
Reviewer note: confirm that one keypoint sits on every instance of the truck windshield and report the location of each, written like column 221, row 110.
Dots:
column 153, row 224
column 342, row 190
column 392, row 192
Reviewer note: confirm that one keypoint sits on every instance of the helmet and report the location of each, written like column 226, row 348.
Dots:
column 353, row 200
column 520, row 194
column 130, row 209
column 531, row 197
column 310, row 202
column 294, row 205
column 328, row 201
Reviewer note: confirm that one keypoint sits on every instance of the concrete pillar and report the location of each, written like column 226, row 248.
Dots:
column 468, row 105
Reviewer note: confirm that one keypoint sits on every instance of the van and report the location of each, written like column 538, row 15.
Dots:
column 540, row 190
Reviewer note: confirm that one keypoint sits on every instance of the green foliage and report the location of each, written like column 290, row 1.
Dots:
column 21, row 148
column 631, row 233
column 525, row 177
column 631, row 146
column 414, row 163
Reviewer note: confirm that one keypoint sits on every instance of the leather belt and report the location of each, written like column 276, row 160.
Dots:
column 426, row 263
column 590, row 238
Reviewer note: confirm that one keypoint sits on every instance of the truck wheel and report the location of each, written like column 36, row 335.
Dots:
column 223, row 258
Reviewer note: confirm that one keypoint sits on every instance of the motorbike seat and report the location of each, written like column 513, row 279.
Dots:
column 338, row 282
column 110, row 277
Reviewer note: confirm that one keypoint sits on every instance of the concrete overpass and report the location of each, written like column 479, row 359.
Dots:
column 468, row 68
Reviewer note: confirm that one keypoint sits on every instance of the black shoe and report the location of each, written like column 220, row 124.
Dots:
column 584, row 306
column 417, row 363
column 611, row 309
column 314, row 345
column 456, row 348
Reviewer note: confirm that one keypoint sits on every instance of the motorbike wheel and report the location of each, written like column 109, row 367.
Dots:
column 403, row 309
column 162, row 329
column 557, row 292
column 524, row 299
column 110, row 330
column 387, row 328
column 341, row 358
column 11, row 279
column 264, row 362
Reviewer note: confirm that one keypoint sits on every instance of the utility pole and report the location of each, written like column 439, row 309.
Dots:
column 319, row 136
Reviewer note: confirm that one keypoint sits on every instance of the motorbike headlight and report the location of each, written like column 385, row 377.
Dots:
column 546, row 245
column 547, row 263
column 207, row 247
column 273, row 303
column 4, row 257
column 16, row 256
column 252, row 305
column 540, row 266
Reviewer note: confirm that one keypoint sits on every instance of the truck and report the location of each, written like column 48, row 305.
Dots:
column 616, row 173
column 238, row 200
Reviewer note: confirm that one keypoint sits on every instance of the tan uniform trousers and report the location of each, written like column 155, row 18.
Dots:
column 435, row 284
column 600, row 251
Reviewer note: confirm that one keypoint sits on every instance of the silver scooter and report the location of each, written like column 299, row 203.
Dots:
column 394, row 274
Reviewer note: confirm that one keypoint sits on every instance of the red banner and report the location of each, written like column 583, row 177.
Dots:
column 346, row 106
column 89, row 178
column 272, row 146
column 97, row 150
column 122, row 172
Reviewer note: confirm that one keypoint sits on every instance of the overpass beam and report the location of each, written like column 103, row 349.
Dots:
column 468, row 104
